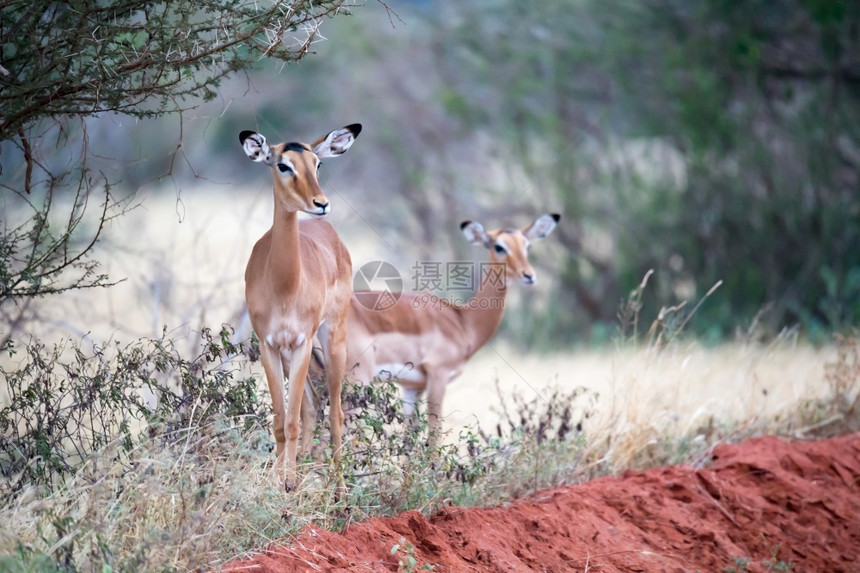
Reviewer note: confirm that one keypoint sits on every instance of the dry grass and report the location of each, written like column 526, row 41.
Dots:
column 208, row 495
column 202, row 495
column 645, row 395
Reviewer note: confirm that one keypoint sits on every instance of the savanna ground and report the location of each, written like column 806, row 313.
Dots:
column 197, row 490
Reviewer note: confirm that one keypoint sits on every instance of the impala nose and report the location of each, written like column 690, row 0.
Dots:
column 323, row 206
column 529, row 279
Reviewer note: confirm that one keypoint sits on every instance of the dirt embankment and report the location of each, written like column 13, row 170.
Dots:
column 767, row 500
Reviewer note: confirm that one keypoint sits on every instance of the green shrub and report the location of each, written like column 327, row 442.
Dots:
column 66, row 404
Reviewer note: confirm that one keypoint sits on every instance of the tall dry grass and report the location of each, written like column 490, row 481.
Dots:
column 196, row 496
column 193, row 496
column 669, row 392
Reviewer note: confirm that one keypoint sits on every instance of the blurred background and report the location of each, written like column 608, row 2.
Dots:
column 704, row 156
column 706, row 140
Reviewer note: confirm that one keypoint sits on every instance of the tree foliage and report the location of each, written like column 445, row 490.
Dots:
column 757, row 105
column 139, row 58
column 63, row 62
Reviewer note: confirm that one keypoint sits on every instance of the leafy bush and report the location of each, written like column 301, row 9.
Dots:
column 392, row 462
column 66, row 404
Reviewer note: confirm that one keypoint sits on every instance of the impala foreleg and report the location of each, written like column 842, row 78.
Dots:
column 299, row 358
column 275, row 378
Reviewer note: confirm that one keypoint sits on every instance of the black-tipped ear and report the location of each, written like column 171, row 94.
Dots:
column 336, row 142
column 475, row 233
column 542, row 226
column 255, row 147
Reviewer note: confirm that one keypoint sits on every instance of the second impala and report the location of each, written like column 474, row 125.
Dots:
column 422, row 341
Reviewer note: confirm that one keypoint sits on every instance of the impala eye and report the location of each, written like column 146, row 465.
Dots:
column 500, row 249
column 283, row 167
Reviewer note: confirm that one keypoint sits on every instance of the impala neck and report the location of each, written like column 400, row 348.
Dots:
column 483, row 315
column 285, row 261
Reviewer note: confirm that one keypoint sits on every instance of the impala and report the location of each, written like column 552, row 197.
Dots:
column 423, row 341
column 298, row 286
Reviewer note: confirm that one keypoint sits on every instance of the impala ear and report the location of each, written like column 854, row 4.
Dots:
column 542, row 226
column 475, row 233
column 336, row 142
column 255, row 146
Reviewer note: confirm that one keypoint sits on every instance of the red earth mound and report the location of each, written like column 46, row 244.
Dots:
column 778, row 504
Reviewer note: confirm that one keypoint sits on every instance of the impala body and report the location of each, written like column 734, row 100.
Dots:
column 298, row 284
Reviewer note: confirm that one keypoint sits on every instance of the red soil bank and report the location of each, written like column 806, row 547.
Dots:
column 767, row 500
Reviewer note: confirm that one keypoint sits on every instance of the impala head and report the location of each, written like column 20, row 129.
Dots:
column 295, row 166
column 511, row 246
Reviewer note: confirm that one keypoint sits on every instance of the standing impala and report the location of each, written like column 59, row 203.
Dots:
column 298, row 285
column 423, row 341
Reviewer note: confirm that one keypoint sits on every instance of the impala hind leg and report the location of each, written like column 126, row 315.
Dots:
column 436, row 386
column 299, row 359
column 310, row 403
column 335, row 370
column 275, row 378
column 314, row 392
